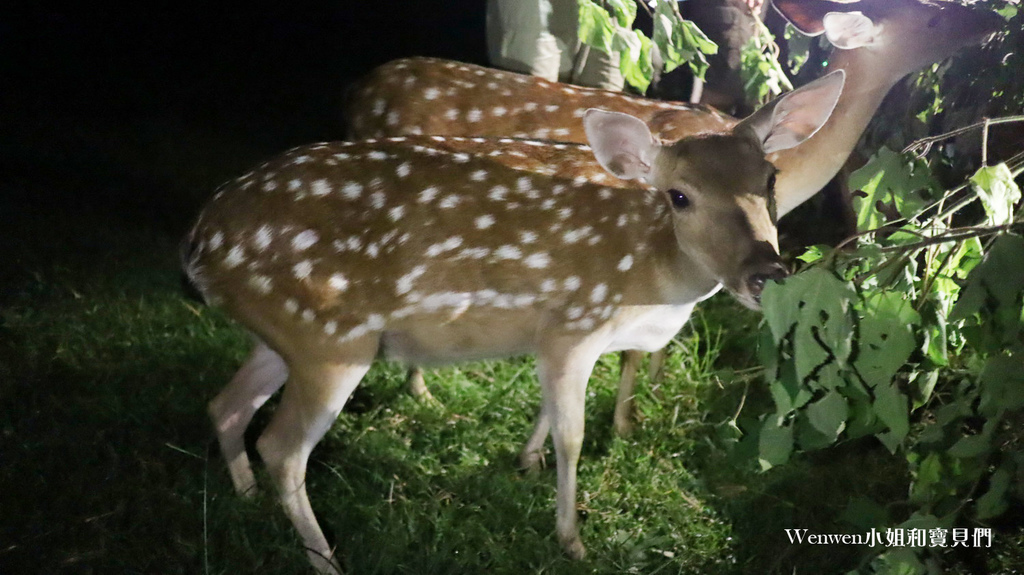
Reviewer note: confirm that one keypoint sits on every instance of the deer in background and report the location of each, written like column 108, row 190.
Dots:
column 878, row 42
column 430, row 249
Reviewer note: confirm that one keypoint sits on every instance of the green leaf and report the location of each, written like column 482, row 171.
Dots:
column 886, row 336
column 865, row 513
column 998, row 193
column 813, row 254
column 892, row 409
column 595, row 26
column 680, row 41
column 994, row 502
column 970, row 446
column 634, row 58
column 889, row 180
column 1002, row 384
column 775, row 443
column 828, row 414
column 998, row 276
column 624, row 11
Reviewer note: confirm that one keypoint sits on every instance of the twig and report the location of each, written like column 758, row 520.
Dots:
column 925, row 144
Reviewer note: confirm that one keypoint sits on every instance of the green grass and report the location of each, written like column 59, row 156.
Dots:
column 108, row 463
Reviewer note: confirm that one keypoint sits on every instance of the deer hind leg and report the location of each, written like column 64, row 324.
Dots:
column 563, row 375
column 623, row 417
column 531, row 458
column 313, row 397
column 417, row 387
column 262, row 374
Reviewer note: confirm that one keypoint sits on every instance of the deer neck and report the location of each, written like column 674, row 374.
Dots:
column 805, row 169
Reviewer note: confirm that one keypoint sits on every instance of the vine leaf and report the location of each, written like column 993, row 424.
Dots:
column 993, row 503
column 891, row 407
column 990, row 279
column 998, row 193
column 886, row 336
column 775, row 443
column 817, row 302
column 828, row 415
column 888, row 181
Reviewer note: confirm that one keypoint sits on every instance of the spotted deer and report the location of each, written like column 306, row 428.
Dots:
column 878, row 42
column 430, row 249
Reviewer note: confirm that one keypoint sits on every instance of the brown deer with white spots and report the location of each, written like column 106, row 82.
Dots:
column 437, row 250
column 878, row 42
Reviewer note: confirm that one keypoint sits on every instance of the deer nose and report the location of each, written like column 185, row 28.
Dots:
column 770, row 271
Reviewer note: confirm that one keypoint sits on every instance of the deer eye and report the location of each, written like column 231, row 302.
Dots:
column 679, row 199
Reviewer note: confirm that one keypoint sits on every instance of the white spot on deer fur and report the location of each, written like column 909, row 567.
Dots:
column 375, row 321
column 431, row 93
column 294, row 184
column 269, row 186
column 378, row 107
column 304, row 240
column 625, row 263
column 538, row 260
column 594, row 239
column 235, row 257
column 499, row 111
column 330, row 327
column 599, row 292
column 291, row 306
column 261, row 239
column 474, row 115
column 461, row 157
column 541, row 133
column 547, row 204
column 342, row 156
column 573, row 283
column 478, row 176
column 308, row 315
column 377, row 200
column 579, row 181
column 392, row 119
column 321, row 187
column 352, row 190
column 338, row 282
column 508, row 252
column 404, row 283
column 530, row 106
column 549, row 285
column 561, row 132
column 483, row 222
column 372, row 250
column 449, row 202
column 445, row 246
column 527, row 237
column 575, row 312
column 403, row 170
column 302, row 269
column 523, row 184
column 622, row 220
column 301, row 160
column 498, row 193
column 550, row 107
column 396, row 213
column 605, row 193
column 216, row 240
column 378, row 155
column 473, row 253
column 428, row 195
column 452, row 114
column 261, row 283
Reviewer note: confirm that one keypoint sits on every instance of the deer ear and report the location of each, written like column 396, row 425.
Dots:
column 806, row 15
column 849, row 30
column 622, row 144
column 796, row 116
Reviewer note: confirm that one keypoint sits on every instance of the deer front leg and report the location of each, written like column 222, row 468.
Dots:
column 313, row 397
column 563, row 372
column 262, row 374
